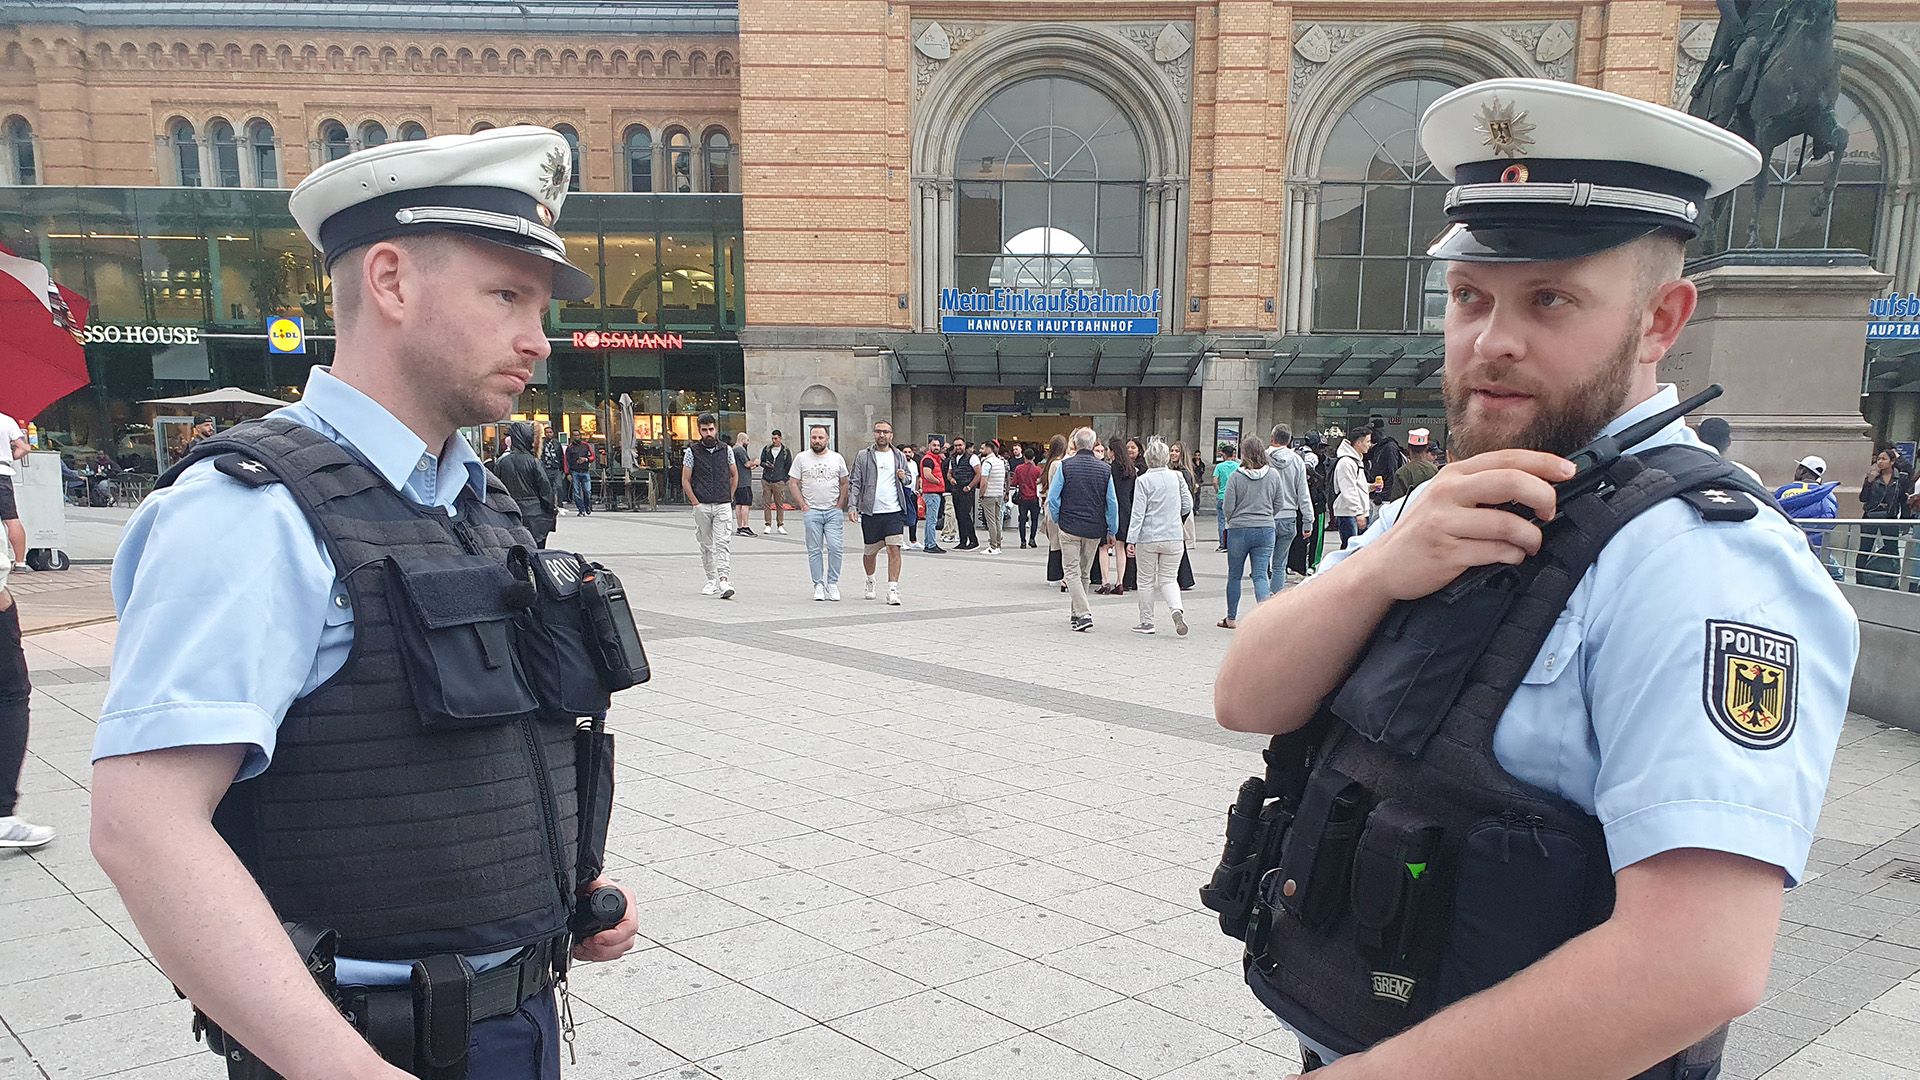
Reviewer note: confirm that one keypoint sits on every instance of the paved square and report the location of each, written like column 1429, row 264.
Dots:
column 949, row 839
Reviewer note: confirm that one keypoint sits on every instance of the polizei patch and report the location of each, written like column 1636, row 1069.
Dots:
column 1752, row 683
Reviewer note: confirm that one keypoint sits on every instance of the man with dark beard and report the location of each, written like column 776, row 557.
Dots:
column 1541, row 821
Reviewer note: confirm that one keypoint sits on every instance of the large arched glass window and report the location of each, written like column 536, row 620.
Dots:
column 573, row 152
column 226, row 154
column 372, row 133
column 1381, row 204
column 679, row 160
column 412, row 132
column 334, row 143
column 186, row 153
column 1788, row 220
column 639, row 156
column 719, row 155
column 265, row 154
column 1051, row 189
column 21, row 165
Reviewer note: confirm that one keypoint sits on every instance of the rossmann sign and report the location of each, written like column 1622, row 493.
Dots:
column 616, row 339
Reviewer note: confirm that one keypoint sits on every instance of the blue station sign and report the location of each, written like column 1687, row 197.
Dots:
column 1893, row 317
column 1069, row 313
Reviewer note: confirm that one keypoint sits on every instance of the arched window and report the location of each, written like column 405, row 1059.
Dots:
column 20, row 164
column 412, row 132
column 226, row 154
column 573, row 151
column 1381, row 204
column 719, row 154
column 186, row 153
column 1788, row 220
column 679, row 160
column 639, row 159
column 334, row 143
column 265, row 154
column 372, row 133
column 1051, row 189
column 480, row 126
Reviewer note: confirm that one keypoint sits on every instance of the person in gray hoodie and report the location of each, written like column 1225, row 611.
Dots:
column 1252, row 502
column 1161, row 500
column 1295, row 518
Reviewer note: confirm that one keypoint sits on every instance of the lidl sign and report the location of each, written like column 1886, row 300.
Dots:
column 286, row 335
column 1066, row 313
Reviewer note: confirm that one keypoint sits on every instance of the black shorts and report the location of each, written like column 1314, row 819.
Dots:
column 8, row 511
column 743, row 496
column 875, row 528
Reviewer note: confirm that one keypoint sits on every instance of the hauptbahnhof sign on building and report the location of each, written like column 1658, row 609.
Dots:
column 1072, row 313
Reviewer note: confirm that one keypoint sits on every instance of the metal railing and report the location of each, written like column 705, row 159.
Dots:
column 1876, row 553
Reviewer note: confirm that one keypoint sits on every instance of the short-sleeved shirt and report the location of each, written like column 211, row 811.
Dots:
column 1222, row 473
column 1026, row 480
column 886, row 490
column 9, row 433
column 1628, row 710
column 820, row 476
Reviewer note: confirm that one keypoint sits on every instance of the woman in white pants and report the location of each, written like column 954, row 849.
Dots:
column 1160, row 500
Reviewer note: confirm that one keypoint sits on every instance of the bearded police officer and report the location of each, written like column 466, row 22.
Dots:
column 1534, row 798
column 321, row 737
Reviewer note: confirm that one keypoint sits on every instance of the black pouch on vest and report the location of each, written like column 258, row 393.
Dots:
column 1393, row 876
column 1412, row 672
column 623, row 661
column 1520, row 894
column 455, row 615
column 555, row 639
column 1318, row 851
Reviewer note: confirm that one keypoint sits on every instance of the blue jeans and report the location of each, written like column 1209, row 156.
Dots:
column 1255, row 542
column 825, row 530
column 1349, row 528
column 933, row 500
column 1286, row 529
column 582, row 492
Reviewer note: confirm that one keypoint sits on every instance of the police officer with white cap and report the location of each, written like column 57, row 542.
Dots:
column 342, row 810
column 1537, row 793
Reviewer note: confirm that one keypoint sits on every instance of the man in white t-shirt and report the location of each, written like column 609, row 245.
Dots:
column 993, row 492
column 14, row 443
column 818, row 482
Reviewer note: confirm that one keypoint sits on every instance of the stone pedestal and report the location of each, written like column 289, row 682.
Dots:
column 793, row 372
column 1785, row 333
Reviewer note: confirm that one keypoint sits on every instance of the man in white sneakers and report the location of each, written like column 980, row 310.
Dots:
column 818, row 483
column 874, row 493
column 709, row 477
column 993, row 492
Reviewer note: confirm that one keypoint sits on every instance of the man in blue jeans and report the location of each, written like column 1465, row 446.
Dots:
column 933, row 490
column 818, row 482
column 580, row 473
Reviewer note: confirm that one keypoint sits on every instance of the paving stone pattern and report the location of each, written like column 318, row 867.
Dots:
column 948, row 840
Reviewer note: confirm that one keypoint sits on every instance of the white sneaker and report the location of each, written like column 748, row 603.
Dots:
column 819, row 591
column 833, row 593
column 710, row 587
column 869, row 588
column 993, row 551
column 781, row 529
column 726, row 589
column 19, row 833
column 893, row 594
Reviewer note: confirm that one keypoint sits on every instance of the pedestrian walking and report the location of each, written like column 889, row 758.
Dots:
column 1295, row 517
column 933, row 490
column 1162, row 501
column 1420, row 467
column 993, row 493
column 912, row 453
column 776, row 466
column 818, row 484
column 1026, row 497
column 1351, row 498
column 580, row 458
column 553, row 461
column 16, row 690
column 1082, row 504
column 1119, row 573
column 710, row 474
column 877, row 494
column 1056, row 454
column 963, row 483
column 1228, row 463
column 743, row 494
column 1254, row 497
column 526, row 481
column 13, row 447
column 351, row 805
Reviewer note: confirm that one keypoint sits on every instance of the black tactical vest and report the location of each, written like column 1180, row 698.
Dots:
column 1387, row 865
column 409, row 840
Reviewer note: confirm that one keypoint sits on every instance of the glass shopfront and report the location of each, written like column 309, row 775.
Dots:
column 183, row 281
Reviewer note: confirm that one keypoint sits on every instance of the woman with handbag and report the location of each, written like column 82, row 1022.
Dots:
column 1056, row 453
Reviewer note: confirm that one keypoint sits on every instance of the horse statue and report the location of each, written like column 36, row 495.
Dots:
column 1771, row 75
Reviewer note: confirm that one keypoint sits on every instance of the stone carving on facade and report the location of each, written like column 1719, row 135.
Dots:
column 1548, row 45
column 933, row 42
column 1690, row 54
column 1172, row 49
column 1169, row 45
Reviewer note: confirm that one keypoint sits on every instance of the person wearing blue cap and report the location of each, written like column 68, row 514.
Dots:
column 333, row 783
column 1561, row 744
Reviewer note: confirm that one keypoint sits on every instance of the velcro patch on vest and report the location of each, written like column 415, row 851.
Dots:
column 245, row 469
column 1722, row 504
column 1752, row 683
column 1393, row 987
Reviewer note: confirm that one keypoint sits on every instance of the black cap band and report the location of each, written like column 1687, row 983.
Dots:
column 376, row 219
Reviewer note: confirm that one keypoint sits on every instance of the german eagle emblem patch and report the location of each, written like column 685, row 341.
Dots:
column 1752, row 681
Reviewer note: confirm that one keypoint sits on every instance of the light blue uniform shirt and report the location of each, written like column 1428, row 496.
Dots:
column 1614, row 714
column 229, row 606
